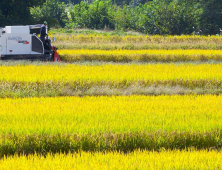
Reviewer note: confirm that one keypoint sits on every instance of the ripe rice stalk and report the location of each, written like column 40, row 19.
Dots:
column 117, row 123
column 140, row 55
column 139, row 42
column 138, row 159
column 114, row 75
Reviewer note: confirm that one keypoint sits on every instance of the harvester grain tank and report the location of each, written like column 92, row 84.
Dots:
column 16, row 42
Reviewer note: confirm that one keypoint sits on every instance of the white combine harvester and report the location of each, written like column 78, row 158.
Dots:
column 16, row 42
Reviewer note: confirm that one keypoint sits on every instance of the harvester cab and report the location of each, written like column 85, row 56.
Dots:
column 16, row 42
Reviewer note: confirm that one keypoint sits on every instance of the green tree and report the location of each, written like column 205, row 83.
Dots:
column 168, row 17
column 71, row 1
column 97, row 15
column 51, row 11
column 211, row 18
column 79, row 16
column 173, row 17
column 124, row 18
column 15, row 12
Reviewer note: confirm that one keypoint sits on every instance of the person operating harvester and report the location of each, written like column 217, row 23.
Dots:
column 43, row 32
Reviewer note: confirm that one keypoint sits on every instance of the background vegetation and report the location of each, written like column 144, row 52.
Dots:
column 174, row 17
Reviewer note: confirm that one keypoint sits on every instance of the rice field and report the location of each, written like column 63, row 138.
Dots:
column 137, row 160
column 38, row 80
column 115, row 102
column 138, row 42
column 123, row 123
column 140, row 55
column 117, row 114
column 115, row 74
column 135, row 38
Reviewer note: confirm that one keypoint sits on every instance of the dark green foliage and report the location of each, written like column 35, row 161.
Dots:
column 95, row 16
column 174, row 17
column 16, row 12
column 154, row 17
column 211, row 18
column 125, row 142
column 51, row 11
column 71, row 1
column 117, row 2
column 168, row 18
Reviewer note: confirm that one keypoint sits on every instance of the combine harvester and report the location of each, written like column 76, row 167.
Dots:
column 16, row 42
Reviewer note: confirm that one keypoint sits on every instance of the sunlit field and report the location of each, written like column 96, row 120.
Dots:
column 81, row 115
column 115, row 160
column 115, row 102
column 140, row 55
column 115, row 74
column 110, row 123
column 136, row 42
column 35, row 80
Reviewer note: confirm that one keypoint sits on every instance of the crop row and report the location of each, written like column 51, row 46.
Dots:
column 110, row 114
column 67, row 41
column 135, row 38
column 124, row 142
column 114, row 160
column 109, row 79
column 109, row 123
column 189, row 75
column 140, row 55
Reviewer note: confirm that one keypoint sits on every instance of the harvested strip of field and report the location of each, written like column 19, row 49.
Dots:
column 109, row 123
column 140, row 55
column 141, row 42
column 115, row 160
column 15, row 90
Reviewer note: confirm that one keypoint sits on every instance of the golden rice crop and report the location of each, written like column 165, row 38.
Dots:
column 140, row 55
column 72, row 124
column 114, row 160
column 82, row 115
column 108, row 79
column 139, row 42
column 189, row 75
column 134, row 38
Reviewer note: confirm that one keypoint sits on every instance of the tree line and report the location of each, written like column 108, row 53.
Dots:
column 174, row 17
column 117, row 2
